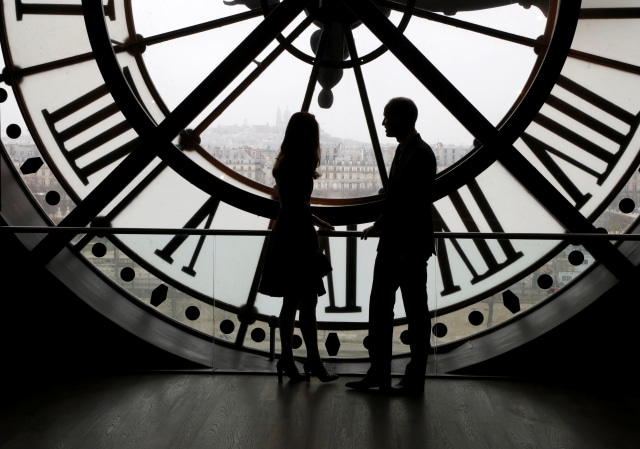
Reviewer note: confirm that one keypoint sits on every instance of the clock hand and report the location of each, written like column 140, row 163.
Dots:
column 366, row 107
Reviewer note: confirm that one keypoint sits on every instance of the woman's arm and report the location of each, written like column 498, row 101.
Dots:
column 321, row 224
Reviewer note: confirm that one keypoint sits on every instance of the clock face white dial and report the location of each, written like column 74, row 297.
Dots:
column 158, row 114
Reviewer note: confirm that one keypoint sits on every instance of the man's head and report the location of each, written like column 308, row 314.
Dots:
column 400, row 115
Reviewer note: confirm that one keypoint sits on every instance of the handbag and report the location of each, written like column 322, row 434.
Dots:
column 321, row 264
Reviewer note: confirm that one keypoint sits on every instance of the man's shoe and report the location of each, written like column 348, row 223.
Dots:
column 370, row 382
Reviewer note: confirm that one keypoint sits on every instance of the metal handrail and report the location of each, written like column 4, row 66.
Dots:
column 195, row 231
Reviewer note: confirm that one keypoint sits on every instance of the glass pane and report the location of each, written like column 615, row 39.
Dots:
column 238, row 319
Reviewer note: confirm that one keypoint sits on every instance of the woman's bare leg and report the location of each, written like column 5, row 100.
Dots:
column 308, row 326
column 286, row 326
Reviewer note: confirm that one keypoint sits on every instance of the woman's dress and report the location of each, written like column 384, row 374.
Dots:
column 293, row 243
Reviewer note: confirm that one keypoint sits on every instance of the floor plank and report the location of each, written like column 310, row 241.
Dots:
column 187, row 410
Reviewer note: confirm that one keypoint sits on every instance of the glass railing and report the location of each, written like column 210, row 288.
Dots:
column 209, row 290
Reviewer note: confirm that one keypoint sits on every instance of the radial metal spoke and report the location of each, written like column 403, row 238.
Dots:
column 366, row 107
column 193, row 29
column 421, row 12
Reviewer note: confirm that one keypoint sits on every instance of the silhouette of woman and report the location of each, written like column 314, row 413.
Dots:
column 289, row 263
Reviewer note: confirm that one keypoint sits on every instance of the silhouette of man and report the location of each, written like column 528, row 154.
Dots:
column 406, row 242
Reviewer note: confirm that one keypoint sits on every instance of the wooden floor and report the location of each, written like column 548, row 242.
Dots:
column 195, row 410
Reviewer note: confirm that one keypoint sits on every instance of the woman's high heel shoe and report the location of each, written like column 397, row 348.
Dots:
column 291, row 370
column 318, row 370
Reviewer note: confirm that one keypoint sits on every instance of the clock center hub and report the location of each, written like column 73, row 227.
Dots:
column 332, row 11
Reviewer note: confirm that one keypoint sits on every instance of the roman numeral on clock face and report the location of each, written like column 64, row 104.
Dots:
column 57, row 8
column 558, row 140
column 91, row 132
column 480, row 258
column 204, row 214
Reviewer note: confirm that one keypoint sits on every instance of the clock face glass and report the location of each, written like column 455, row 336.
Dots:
column 532, row 113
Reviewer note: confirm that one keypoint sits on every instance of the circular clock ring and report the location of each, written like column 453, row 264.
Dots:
column 500, row 162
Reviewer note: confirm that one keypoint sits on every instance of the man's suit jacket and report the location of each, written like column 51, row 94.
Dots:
column 406, row 224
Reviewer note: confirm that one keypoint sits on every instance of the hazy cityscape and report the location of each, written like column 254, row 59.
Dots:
column 349, row 169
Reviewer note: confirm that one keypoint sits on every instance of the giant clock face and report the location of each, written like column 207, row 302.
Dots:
column 167, row 115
